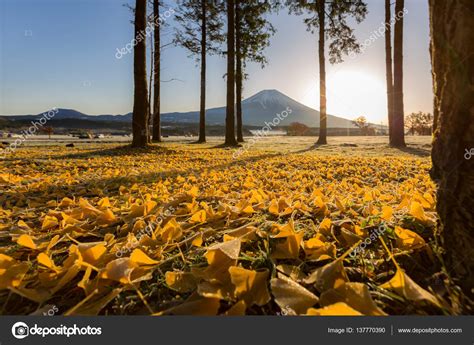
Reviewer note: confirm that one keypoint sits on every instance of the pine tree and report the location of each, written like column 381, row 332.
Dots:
column 330, row 19
column 253, row 32
column 140, row 129
column 398, row 130
column 200, row 32
column 389, row 67
column 156, row 66
column 230, row 97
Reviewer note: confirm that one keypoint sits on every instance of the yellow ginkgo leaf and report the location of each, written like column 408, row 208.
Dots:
column 289, row 248
column 404, row 286
column 197, row 241
column 92, row 252
column 248, row 210
column 11, row 271
column 387, row 213
column 250, row 285
column 49, row 222
column 291, row 296
column 195, row 305
column 26, row 241
column 323, row 252
column 337, row 309
column 121, row 270
column 408, row 239
column 293, row 272
column 65, row 202
column 23, row 225
column 325, row 227
column 273, row 207
column 140, row 258
column 329, row 276
column 46, row 261
column 355, row 295
column 416, row 210
column 238, row 309
column 171, row 231
column 199, row 217
column 104, row 203
column 194, row 191
column 181, row 281
column 220, row 258
column 106, row 217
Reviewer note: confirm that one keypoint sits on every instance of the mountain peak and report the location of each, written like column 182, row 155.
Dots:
column 269, row 97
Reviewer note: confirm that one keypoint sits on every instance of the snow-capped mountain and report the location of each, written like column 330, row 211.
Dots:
column 262, row 107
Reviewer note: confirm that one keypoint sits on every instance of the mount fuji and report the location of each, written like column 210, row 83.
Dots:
column 262, row 107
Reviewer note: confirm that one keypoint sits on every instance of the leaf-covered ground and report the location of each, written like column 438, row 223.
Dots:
column 181, row 229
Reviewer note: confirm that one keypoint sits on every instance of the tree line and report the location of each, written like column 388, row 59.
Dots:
column 240, row 31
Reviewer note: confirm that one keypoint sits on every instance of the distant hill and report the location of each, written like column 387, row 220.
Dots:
column 257, row 109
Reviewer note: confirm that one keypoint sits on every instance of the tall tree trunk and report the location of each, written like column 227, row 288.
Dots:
column 150, row 91
column 239, row 75
column 157, row 70
column 389, row 67
column 398, row 130
column 202, row 110
column 140, row 101
column 230, row 107
column 452, row 55
column 322, row 140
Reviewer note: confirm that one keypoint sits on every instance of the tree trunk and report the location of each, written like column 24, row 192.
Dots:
column 230, row 107
column 140, row 101
column 239, row 75
column 157, row 70
column 398, row 131
column 389, row 67
column 452, row 55
column 322, row 140
column 150, row 91
column 202, row 110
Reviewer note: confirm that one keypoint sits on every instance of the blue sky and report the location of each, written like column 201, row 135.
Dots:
column 61, row 53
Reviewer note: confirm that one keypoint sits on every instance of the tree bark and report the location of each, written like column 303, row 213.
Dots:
column 150, row 91
column 157, row 73
column 140, row 101
column 239, row 75
column 322, row 140
column 202, row 110
column 389, row 68
column 398, row 131
column 230, row 107
column 452, row 55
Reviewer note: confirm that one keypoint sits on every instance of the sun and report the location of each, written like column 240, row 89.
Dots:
column 352, row 93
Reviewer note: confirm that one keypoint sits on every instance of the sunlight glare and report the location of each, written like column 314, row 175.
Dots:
column 352, row 93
